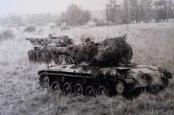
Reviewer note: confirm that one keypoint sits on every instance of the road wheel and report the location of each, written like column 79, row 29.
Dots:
column 120, row 88
column 102, row 91
column 90, row 91
column 55, row 86
column 62, row 79
column 46, row 82
column 153, row 89
column 67, row 88
column 78, row 89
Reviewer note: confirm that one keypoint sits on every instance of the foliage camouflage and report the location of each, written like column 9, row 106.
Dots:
column 113, row 51
column 110, row 52
column 47, row 49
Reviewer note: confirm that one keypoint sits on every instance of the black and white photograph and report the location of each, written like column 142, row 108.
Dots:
column 86, row 57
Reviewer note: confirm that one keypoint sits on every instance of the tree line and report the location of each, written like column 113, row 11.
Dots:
column 40, row 19
column 129, row 11
column 139, row 11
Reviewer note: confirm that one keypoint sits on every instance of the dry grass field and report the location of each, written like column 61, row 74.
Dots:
column 20, row 93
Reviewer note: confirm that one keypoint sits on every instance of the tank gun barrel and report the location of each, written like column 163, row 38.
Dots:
column 35, row 41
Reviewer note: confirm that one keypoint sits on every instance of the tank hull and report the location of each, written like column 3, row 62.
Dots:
column 109, row 81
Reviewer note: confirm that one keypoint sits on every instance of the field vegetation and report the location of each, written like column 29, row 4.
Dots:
column 6, row 34
column 20, row 93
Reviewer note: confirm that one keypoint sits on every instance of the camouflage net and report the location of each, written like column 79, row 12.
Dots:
column 113, row 51
column 48, row 49
column 110, row 52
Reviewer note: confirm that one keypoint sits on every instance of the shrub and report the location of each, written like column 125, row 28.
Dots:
column 52, row 26
column 30, row 29
column 6, row 34
column 65, row 27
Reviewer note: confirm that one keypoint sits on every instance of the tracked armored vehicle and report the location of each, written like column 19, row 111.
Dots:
column 107, row 70
column 92, row 80
column 46, row 50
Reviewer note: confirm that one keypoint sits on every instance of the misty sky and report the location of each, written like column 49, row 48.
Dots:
column 19, row 7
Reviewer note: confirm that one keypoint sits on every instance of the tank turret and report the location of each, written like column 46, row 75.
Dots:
column 47, row 49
